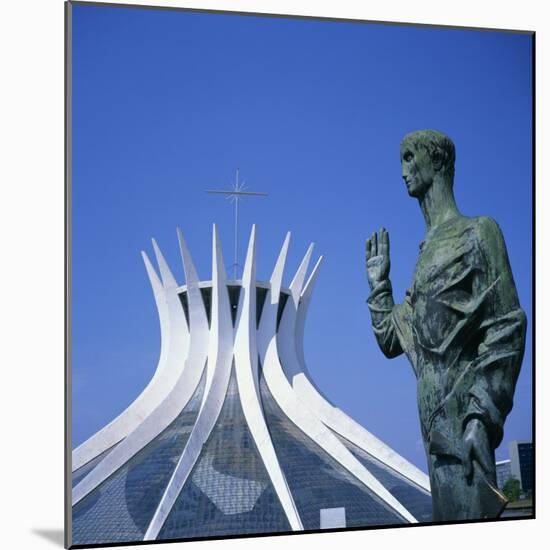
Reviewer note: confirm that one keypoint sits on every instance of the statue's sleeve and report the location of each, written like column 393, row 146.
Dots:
column 501, row 335
column 391, row 323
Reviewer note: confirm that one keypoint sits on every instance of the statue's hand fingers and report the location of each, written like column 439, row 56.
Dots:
column 374, row 244
column 383, row 244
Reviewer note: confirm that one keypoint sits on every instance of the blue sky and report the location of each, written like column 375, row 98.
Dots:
column 167, row 104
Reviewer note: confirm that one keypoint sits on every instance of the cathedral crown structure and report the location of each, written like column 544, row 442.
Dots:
column 231, row 436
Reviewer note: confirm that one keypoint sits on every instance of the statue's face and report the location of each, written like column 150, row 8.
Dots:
column 417, row 170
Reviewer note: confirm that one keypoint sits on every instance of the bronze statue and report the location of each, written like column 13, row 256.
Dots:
column 461, row 327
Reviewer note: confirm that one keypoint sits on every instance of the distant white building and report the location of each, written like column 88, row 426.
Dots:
column 504, row 472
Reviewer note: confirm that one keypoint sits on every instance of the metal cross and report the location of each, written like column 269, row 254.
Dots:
column 234, row 195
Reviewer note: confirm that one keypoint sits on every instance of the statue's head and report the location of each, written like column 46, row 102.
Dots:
column 426, row 154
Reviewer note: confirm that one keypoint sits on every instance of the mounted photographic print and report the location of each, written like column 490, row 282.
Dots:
column 300, row 274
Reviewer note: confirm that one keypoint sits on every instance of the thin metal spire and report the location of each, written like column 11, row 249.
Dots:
column 234, row 195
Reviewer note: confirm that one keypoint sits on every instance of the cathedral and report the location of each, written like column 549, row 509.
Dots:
column 231, row 436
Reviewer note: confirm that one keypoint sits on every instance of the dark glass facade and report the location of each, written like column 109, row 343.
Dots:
column 121, row 508
column 525, row 454
column 316, row 480
column 234, row 293
column 229, row 490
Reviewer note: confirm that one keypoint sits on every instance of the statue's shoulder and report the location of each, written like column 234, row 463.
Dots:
column 482, row 227
column 488, row 235
column 482, row 232
column 486, row 227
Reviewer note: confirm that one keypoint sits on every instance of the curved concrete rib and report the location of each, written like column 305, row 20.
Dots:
column 220, row 355
column 286, row 330
column 246, row 366
column 332, row 416
column 303, row 306
column 274, row 350
column 178, row 397
column 174, row 342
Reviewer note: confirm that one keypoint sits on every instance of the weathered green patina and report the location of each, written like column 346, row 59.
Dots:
column 460, row 325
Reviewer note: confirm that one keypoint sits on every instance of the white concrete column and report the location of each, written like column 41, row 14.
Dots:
column 246, row 363
column 220, row 356
column 177, row 398
column 174, row 337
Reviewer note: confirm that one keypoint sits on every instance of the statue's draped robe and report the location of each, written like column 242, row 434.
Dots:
column 463, row 331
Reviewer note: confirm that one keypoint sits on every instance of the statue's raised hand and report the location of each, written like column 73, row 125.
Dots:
column 378, row 257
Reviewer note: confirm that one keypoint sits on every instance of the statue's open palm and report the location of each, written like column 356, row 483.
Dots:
column 378, row 257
